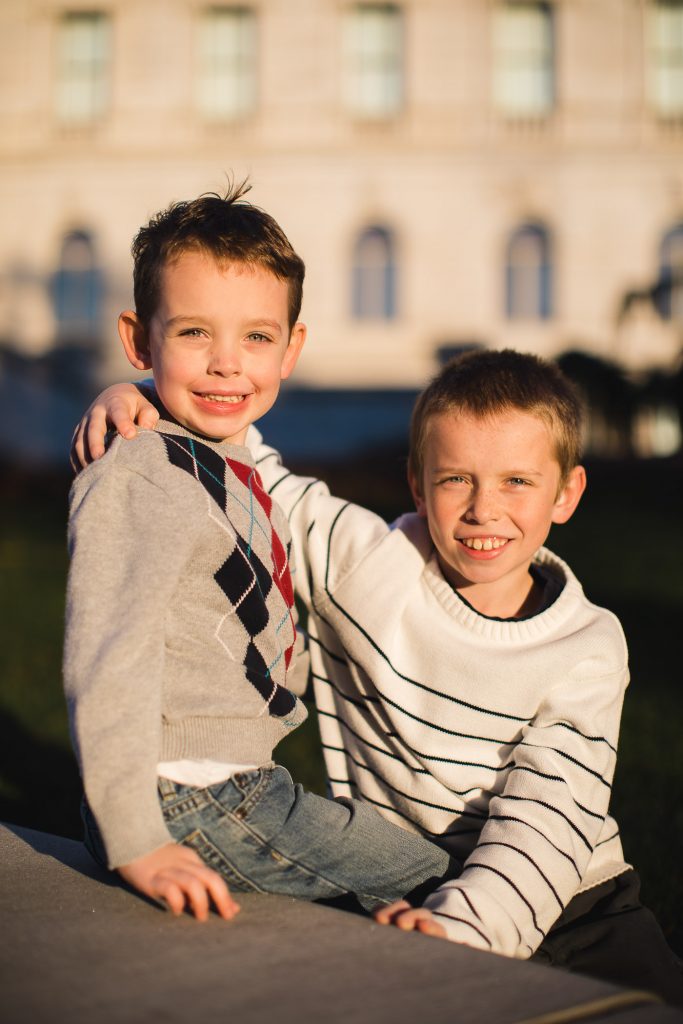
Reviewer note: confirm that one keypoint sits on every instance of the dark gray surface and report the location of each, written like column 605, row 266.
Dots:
column 75, row 946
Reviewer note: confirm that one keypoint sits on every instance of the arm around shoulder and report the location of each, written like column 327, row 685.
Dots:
column 121, row 406
column 329, row 535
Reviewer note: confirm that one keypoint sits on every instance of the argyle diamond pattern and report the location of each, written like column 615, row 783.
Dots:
column 244, row 578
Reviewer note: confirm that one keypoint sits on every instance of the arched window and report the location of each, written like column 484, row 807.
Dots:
column 528, row 292
column 669, row 293
column 374, row 275
column 77, row 287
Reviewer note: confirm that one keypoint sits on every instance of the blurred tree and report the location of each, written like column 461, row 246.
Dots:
column 610, row 402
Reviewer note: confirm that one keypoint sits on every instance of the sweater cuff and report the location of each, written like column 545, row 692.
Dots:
column 472, row 917
column 132, row 829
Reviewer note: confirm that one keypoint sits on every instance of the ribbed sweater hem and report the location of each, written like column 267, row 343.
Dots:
column 235, row 740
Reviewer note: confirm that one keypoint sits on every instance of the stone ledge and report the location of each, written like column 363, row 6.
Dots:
column 78, row 947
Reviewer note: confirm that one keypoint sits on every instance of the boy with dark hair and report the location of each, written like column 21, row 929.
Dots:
column 465, row 685
column 180, row 629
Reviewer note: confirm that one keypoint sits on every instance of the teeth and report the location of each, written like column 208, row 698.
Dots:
column 485, row 544
column 224, row 398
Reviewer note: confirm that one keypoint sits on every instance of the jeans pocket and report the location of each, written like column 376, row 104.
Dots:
column 217, row 860
column 240, row 794
column 179, row 802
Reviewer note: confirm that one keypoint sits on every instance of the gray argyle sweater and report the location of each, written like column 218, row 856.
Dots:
column 180, row 623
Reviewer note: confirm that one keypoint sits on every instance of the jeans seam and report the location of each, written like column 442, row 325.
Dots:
column 310, row 872
column 180, row 806
column 202, row 799
column 231, row 871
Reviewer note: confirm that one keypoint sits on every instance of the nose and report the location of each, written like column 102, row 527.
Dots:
column 224, row 358
column 483, row 507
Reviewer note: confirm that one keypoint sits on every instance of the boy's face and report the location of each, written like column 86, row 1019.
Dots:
column 490, row 492
column 219, row 344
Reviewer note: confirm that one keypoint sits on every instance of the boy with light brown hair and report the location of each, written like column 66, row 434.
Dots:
column 465, row 685
column 181, row 639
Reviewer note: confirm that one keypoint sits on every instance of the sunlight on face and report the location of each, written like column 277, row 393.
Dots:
column 219, row 344
column 490, row 492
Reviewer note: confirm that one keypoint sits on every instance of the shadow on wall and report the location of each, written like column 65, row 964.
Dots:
column 41, row 787
column 42, row 396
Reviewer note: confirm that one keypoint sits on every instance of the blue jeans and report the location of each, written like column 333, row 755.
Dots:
column 262, row 833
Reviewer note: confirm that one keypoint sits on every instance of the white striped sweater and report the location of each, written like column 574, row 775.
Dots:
column 497, row 737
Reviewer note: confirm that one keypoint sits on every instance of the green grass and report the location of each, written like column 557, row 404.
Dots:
column 39, row 784
column 624, row 543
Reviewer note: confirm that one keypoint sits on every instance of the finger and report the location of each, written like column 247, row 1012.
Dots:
column 431, row 927
column 182, row 891
column 409, row 920
column 77, row 450
column 171, row 894
column 386, row 915
column 120, row 418
column 212, row 883
column 198, row 897
column 220, row 894
column 74, row 461
column 147, row 418
column 94, row 430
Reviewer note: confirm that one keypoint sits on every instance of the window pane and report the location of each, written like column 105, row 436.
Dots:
column 529, row 275
column 666, row 58
column 374, row 276
column 77, row 288
column 227, row 63
column 669, row 296
column 373, row 60
column 83, row 66
column 523, row 83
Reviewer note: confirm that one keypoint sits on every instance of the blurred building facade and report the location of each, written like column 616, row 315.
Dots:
column 453, row 172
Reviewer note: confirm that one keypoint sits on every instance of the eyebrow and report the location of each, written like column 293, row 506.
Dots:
column 273, row 324
column 176, row 321
column 199, row 319
column 456, row 471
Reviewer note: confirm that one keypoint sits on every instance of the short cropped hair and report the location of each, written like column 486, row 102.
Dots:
column 485, row 383
column 222, row 226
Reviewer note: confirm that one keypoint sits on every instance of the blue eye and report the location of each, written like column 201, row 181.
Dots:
column 455, row 479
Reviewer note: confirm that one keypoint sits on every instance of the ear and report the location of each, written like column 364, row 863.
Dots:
column 570, row 495
column 134, row 339
column 418, row 497
column 297, row 338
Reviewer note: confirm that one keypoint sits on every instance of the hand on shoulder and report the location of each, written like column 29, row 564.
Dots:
column 121, row 406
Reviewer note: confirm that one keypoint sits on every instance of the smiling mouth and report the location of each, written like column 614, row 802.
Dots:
column 224, row 399
column 484, row 543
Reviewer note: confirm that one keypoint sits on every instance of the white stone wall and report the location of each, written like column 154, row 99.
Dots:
column 448, row 175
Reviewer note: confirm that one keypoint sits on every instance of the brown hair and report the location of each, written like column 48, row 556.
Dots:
column 222, row 226
column 484, row 383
